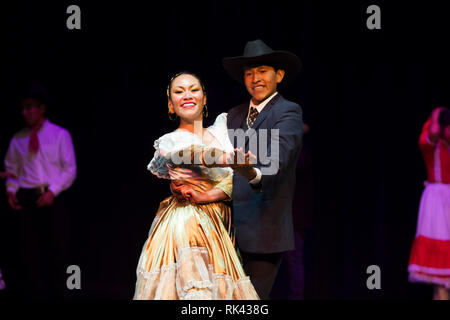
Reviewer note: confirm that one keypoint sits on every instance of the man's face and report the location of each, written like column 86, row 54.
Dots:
column 261, row 82
column 32, row 111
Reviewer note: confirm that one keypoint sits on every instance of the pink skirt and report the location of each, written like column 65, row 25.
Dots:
column 429, row 260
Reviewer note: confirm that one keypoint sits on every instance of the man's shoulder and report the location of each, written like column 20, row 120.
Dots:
column 22, row 133
column 236, row 111
column 282, row 104
column 57, row 128
column 282, row 109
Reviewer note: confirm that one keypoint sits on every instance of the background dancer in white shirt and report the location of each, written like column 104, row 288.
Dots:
column 42, row 158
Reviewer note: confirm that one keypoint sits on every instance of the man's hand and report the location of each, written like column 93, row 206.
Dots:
column 45, row 199
column 243, row 164
column 236, row 159
column 13, row 202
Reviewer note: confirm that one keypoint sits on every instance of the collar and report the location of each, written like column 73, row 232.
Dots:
column 45, row 124
column 261, row 106
column 39, row 127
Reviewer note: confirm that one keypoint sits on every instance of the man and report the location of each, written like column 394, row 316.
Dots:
column 42, row 158
column 262, row 201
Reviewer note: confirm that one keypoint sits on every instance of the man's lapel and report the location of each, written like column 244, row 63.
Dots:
column 261, row 117
column 237, row 120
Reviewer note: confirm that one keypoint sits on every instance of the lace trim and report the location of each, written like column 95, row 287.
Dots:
column 158, row 165
column 429, row 270
column 149, row 274
column 186, row 291
column 417, row 277
column 205, row 284
column 174, row 266
column 197, row 295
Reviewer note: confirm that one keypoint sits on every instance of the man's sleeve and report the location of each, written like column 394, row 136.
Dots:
column 284, row 146
column 256, row 180
column 12, row 164
column 68, row 164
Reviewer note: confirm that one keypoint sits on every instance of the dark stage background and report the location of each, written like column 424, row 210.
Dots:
column 365, row 95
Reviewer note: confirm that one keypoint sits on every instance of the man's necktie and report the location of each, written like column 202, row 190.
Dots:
column 252, row 117
column 34, row 141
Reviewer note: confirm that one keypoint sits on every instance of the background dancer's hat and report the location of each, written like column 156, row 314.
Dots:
column 257, row 53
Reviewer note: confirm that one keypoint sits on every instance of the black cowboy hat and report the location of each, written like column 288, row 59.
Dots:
column 35, row 90
column 257, row 53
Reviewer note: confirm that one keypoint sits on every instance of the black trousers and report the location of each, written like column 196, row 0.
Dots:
column 262, row 270
column 39, row 269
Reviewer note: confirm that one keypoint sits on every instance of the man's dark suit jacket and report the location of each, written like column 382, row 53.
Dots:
column 262, row 214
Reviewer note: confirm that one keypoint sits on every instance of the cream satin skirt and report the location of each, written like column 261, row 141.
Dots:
column 190, row 255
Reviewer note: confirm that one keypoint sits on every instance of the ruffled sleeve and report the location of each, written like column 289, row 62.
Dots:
column 166, row 144
column 220, row 131
column 158, row 165
column 221, row 121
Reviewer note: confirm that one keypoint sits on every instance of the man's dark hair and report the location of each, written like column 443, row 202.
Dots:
column 37, row 92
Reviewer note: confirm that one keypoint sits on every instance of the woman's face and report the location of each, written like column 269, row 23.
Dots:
column 187, row 98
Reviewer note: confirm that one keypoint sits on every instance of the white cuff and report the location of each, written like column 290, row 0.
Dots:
column 256, row 179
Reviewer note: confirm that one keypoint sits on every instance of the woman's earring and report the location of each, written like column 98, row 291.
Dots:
column 205, row 111
column 172, row 116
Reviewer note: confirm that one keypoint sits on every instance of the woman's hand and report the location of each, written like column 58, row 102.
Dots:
column 435, row 113
column 435, row 128
column 186, row 192
column 175, row 187
column 235, row 159
column 194, row 196
column 243, row 160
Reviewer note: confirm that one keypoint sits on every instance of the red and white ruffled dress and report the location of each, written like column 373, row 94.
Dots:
column 430, row 253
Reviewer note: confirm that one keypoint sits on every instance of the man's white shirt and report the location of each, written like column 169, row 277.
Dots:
column 54, row 164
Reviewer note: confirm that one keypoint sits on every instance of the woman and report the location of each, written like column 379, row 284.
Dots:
column 429, row 261
column 190, row 251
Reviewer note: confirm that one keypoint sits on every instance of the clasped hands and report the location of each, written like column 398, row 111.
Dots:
column 215, row 158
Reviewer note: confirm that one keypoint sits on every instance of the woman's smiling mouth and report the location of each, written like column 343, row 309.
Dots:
column 187, row 105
